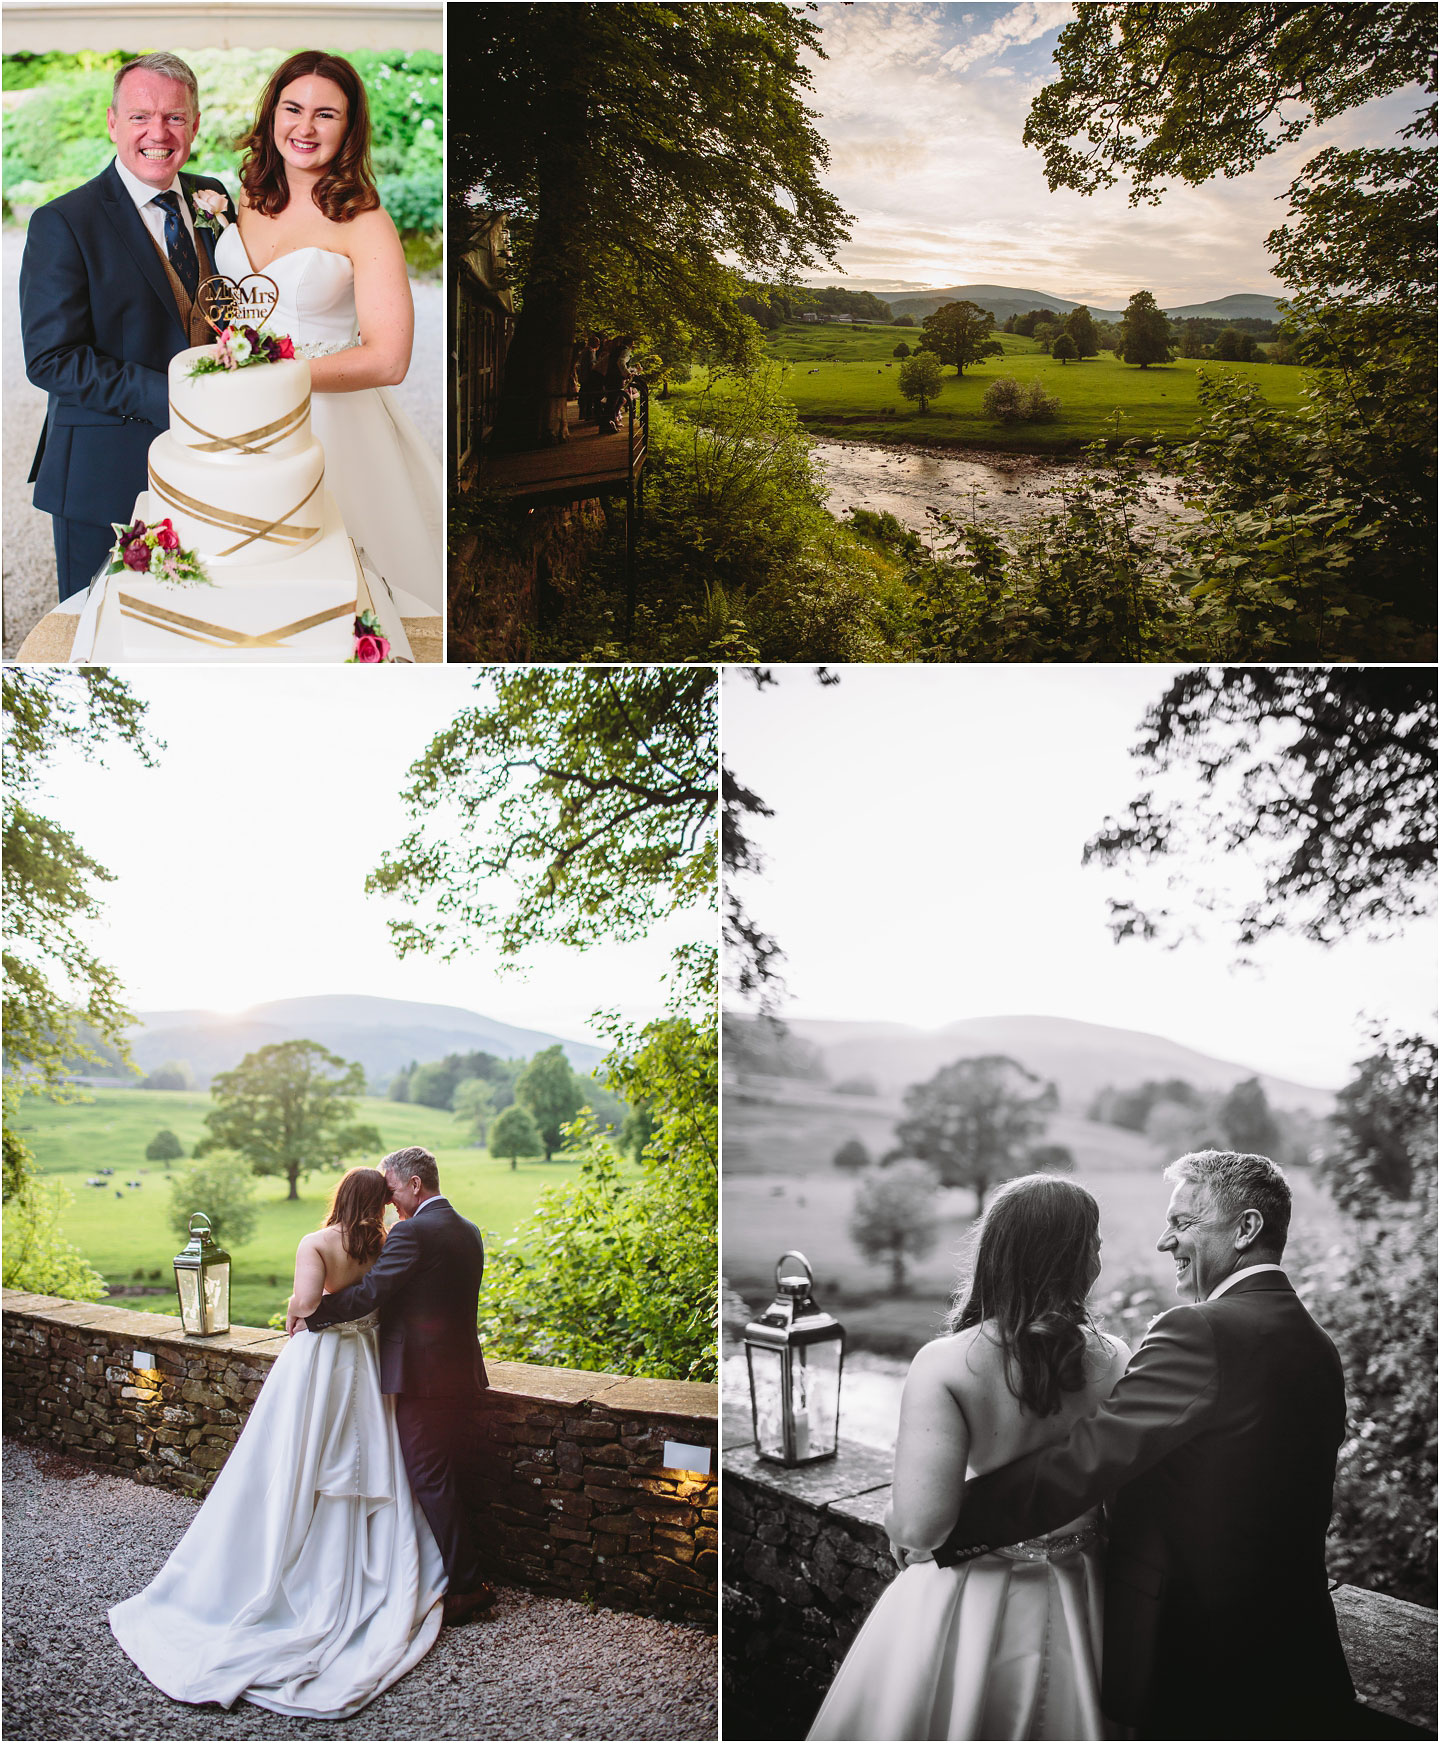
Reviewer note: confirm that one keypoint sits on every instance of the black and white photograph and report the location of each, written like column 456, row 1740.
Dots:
column 1078, row 1203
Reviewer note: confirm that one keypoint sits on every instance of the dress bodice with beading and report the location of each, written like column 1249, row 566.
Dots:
column 316, row 289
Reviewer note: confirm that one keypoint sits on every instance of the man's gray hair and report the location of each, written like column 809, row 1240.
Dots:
column 1238, row 1182
column 168, row 66
column 413, row 1162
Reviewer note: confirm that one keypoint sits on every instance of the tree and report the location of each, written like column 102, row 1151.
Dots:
column 38, row 1258
column 432, row 1084
column 1233, row 346
column 852, row 1157
column 1245, row 1116
column 893, row 1218
column 286, row 1109
column 1192, row 340
column 1064, row 348
column 474, row 1105
column 1196, row 91
column 173, row 1074
column 1026, row 324
column 548, row 1088
column 1383, row 1127
column 920, row 378
column 1050, row 1159
column 1080, row 325
column 1144, row 332
column 164, row 1147
column 901, row 350
column 973, row 1121
column 961, row 333
column 515, row 1134
column 1323, row 780
column 552, row 123
column 222, row 1186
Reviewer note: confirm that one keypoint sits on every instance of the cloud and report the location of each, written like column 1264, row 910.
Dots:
column 1021, row 24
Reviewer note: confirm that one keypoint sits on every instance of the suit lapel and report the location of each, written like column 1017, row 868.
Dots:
column 137, row 241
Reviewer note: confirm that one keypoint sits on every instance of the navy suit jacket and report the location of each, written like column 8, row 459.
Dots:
column 100, row 326
column 426, row 1286
column 1216, row 1451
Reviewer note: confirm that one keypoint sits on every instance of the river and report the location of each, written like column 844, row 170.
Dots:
column 1008, row 490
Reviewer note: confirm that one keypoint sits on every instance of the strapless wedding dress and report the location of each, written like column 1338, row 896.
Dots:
column 309, row 1581
column 1007, row 1645
column 379, row 468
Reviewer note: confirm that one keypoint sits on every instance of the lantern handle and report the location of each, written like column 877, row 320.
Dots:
column 199, row 1216
column 794, row 1253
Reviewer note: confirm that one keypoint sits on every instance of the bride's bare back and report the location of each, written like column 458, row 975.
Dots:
column 322, row 1267
column 959, row 1417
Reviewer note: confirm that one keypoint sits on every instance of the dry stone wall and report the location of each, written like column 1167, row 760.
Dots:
column 579, row 1497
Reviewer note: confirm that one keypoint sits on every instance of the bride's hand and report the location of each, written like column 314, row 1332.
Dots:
column 384, row 311
column 904, row 1558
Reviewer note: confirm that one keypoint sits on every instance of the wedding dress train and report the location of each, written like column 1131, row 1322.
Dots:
column 379, row 468
column 309, row 1581
column 1004, row 1646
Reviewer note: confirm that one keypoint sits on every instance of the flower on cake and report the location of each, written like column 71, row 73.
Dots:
column 371, row 647
column 208, row 207
column 154, row 551
column 242, row 348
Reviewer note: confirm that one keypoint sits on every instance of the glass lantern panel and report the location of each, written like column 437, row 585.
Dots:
column 766, row 1380
column 217, row 1298
column 188, row 1283
column 815, row 1391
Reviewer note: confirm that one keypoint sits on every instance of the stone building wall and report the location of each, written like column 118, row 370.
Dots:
column 806, row 1556
column 579, row 1498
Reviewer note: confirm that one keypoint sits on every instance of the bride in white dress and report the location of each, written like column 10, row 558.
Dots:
column 309, row 1581
column 311, row 221
column 1006, row 1645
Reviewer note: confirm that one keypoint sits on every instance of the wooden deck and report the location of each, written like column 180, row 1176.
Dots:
column 588, row 464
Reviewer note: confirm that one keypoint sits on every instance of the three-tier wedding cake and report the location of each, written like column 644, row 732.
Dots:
column 241, row 480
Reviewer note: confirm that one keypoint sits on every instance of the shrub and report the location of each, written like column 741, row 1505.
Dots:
column 1010, row 402
column 852, row 1157
column 222, row 1187
column 38, row 1258
column 920, row 378
column 164, row 1147
column 901, row 350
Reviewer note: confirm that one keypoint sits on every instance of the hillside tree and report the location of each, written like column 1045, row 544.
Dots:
column 921, row 378
column 164, row 1147
column 547, row 1086
column 1248, row 1122
column 960, row 333
column 1323, row 780
column 973, row 1121
column 221, row 1185
column 1080, row 325
column 474, row 1105
column 1145, row 332
column 515, row 1134
column 852, row 1157
column 893, row 1218
column 287, row 1108
column 1064, row 348
column 552, row 122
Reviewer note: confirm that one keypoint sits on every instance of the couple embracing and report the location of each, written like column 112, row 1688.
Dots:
column 109, row 289
column 341, row 1532
column 1206, row 1457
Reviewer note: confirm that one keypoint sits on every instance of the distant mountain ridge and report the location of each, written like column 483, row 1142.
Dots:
column 1081, row 1058
column 1003, row 301
column 385, row 1035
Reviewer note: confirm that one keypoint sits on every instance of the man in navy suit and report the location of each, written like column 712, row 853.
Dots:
column 107, row 298
column 1216, row 1452
column 425, row 1285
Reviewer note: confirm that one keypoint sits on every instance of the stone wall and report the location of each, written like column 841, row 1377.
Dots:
column 806, row 1557
column 578, row 1496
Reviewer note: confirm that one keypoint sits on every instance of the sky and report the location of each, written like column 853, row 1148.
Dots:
column 240, row 859
column 923, row 866
column 923, row 108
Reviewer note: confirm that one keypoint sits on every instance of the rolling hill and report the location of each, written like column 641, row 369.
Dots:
column 1003, row 300
column 1081, row 1058
column 385, row 1035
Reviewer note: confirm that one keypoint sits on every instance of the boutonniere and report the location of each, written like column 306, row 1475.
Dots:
column 209, row 210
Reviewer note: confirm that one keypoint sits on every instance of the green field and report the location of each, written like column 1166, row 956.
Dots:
column 129, row 1238
column 857, row 396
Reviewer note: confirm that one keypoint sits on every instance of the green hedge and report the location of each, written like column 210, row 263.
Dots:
column 55, row 139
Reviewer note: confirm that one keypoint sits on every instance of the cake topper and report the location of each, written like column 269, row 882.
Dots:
column 225, row 303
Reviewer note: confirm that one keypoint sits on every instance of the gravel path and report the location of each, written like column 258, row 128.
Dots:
column 77, row 1541
column 29, row 553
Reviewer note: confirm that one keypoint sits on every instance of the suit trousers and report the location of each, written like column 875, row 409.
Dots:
column 440, row 1438
column 80, row 549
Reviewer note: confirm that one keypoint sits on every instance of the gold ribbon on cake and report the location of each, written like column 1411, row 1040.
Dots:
column 253, row 441
column 195, row 629
column 279, row 529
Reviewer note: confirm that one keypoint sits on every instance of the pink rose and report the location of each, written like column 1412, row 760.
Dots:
column 166, row 537
column 137, row 555
column 371, row 650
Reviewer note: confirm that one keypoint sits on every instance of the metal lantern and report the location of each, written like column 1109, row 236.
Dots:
column 794, row 1352
column 202, row 1281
